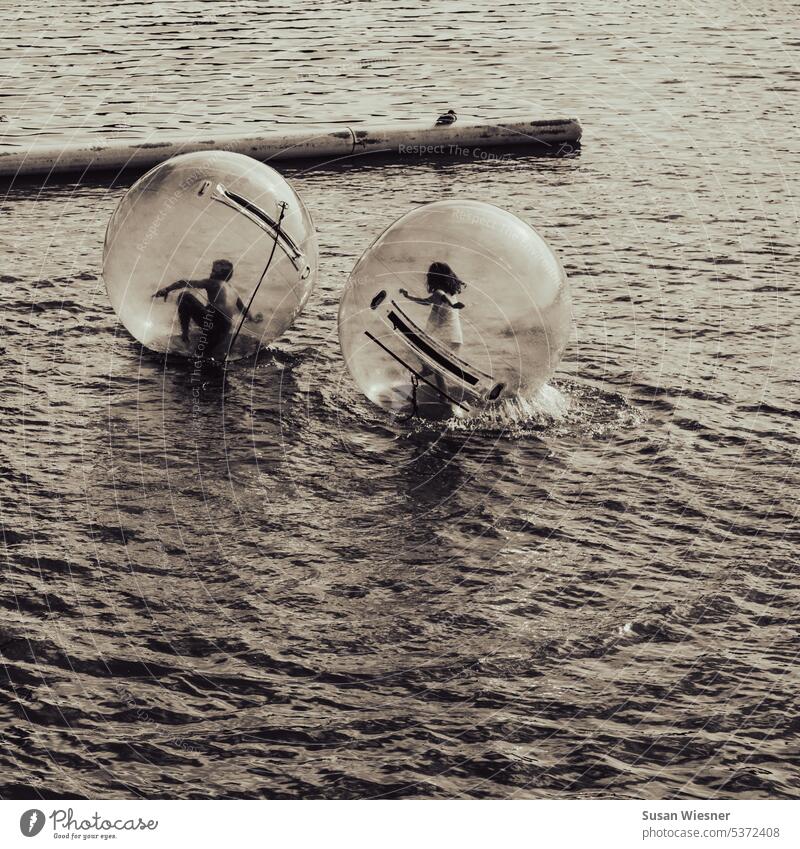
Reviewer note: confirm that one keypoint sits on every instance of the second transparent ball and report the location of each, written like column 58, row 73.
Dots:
column 458, row 306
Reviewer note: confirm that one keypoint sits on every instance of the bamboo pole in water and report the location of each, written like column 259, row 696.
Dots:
column 410, row 139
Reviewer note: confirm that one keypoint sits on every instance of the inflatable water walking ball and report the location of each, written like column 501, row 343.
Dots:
column 210, row 255
column 459, row 306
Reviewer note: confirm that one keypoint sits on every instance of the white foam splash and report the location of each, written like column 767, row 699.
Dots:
column 546, row 407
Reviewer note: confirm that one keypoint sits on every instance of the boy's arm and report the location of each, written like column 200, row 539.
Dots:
column 180, row 284
column 256, row 319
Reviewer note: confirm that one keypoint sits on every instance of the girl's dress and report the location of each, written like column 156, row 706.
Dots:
column 444, row 323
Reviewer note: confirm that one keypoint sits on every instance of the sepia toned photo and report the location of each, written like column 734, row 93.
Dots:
column 400, row 402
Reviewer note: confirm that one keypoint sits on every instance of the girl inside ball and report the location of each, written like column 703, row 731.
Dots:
column 443, row 320
column 444, row 323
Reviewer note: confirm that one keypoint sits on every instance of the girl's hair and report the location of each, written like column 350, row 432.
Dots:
column 441, row 276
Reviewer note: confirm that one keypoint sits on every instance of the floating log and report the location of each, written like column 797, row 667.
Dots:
column 341, row 142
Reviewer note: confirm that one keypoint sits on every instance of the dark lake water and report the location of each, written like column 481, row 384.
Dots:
column 291, row 595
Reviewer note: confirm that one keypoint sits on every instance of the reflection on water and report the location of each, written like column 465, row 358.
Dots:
column 254, row 583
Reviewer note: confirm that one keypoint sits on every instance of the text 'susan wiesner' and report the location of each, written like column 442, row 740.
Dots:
column 685, row 815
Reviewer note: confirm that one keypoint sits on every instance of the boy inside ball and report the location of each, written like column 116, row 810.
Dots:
column 215, row 318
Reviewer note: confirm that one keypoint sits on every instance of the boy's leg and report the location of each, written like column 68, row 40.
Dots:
column 189, row 309
column 217, row 328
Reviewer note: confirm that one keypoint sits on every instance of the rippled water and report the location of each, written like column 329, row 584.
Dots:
column 273, row 590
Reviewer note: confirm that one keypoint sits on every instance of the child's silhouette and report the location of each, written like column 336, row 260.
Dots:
column 444, row 322
column 215, row 318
